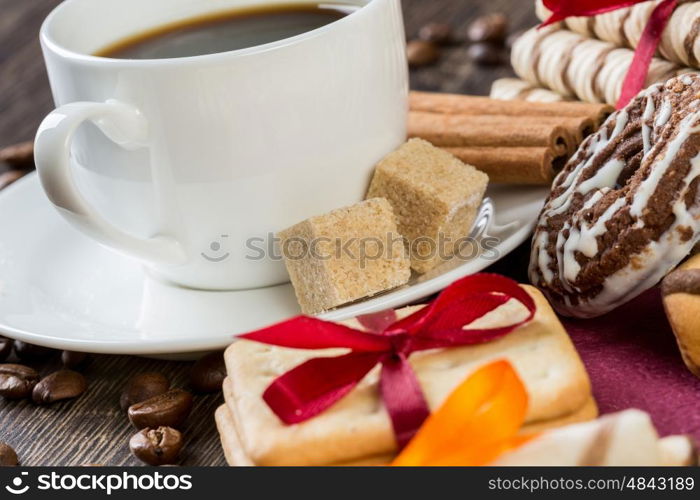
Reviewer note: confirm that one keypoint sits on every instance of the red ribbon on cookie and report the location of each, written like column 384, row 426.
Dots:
column 313, row 386
column 649, row 42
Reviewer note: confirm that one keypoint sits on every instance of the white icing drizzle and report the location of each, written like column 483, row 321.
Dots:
column 606, row 176
column 664, row 114
column 648, row 186
column 543, row 257
column 584, row 240
column 595, row 197
column 561, row 262
column 658, row 259
column 588, row 241
column 646, row 130
column 562, row 202
column 620, row 124
column 569, row 265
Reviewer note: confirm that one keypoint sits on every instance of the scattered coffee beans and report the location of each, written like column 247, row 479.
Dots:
column 485, row 54
column 208, row 373
column 159, row 446
column 142, row 387
column 73, row 359
column 440, row 33
column 31, row 352
column 8, row 457
column 421, row 53
column 489, row 28
column 5, row 348
column 17, row 381
column 60, row 385
column 169, row 409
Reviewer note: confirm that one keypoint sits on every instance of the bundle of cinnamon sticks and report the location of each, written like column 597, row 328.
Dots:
column 516, row 142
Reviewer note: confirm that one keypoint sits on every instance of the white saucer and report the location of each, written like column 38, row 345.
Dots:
column 62, row 290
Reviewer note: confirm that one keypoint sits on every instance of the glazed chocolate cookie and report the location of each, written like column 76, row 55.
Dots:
column 625, row 209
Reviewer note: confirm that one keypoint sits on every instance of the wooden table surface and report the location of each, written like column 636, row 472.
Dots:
column 92, row 429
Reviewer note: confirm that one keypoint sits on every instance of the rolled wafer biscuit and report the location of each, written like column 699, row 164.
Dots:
column 680, row 41
column 458, row 104
column 678, row 451
column 681, row 297
column 450, row 130
column 515, row 89
column 358, row 426
column 627, row 438
column 573, row 65
column 534, row 166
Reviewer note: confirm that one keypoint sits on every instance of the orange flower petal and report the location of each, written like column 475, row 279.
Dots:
column 478, row 421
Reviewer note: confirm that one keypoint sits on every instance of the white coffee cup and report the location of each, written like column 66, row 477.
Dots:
column 190, row 164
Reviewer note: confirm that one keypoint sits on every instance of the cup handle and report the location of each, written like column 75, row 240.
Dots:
column 124, row 125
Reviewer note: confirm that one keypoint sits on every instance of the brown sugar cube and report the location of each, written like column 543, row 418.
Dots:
column 435, row 197
column 345, row 255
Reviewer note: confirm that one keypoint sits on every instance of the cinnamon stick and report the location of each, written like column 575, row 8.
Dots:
column 444, row 130
column 520, row 165
column 474, row 105
column 577, row 127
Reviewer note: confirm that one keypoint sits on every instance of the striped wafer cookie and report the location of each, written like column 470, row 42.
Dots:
column 680, row 42
column 575, row 66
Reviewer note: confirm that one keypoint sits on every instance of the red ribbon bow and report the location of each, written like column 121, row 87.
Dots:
column 649, row 42
column 313, row 386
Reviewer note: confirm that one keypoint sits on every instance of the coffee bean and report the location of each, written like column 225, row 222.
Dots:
column 208, row 373
column 8, row 456
column 421, row 53
column 17, row 381
column 5, row 348
column 73, row 359
column 7, row 178
column 31, row 352
column 169, row 409
column 60, row 385
column 159, row 446
column 21, row 154
column 439, row 33
column 488, row 28
column 142, row 387
column 485, row 54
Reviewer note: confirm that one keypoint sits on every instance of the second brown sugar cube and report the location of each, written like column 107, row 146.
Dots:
column 435, row 198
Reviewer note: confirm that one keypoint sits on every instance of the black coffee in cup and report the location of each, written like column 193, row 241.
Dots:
column 225, row 31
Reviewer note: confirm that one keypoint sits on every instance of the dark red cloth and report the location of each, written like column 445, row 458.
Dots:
column 633, row 362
